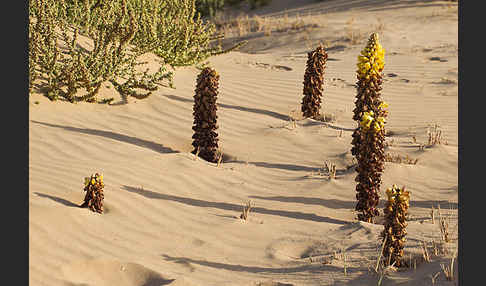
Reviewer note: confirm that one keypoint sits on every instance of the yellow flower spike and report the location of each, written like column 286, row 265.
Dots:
column 86, row 181
column 93, row 181
column 373, row 57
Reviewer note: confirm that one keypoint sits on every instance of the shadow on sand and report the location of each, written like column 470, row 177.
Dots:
column 115, row 136
column 232, row 207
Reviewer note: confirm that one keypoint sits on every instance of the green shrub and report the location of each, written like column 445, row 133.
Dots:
column 258, row 3
column 122, row 31
column 209, row 7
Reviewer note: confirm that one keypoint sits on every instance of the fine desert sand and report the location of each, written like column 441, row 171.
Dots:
column 173, row 219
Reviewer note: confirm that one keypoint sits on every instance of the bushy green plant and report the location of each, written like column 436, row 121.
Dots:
column 258, row 3
column 209, row 7
column 121, row 31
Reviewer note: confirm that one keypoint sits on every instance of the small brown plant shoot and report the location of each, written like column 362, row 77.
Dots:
column 93, row 186
column 396, row 211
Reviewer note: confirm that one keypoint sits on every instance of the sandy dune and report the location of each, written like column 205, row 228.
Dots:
column 173, row 220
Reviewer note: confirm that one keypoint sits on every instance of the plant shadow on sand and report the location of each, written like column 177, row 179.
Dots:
column 58, row 200
column 311, row 268
column 287, row 167
column 236, row 107
column 332, row 203
column 232, row 207
column 115, row 136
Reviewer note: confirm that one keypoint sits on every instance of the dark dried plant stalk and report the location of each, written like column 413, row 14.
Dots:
column 369, row 137
column 205, row 119
column 396, row 211
column 93, row 186
column 313, row 83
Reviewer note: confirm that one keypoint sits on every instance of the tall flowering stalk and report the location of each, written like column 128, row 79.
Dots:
column 394, row 233
column 369, row 137
column 313, row 81
column 93, row 186
column 205, row 138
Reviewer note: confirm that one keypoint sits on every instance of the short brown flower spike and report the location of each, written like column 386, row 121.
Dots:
column 93, row 186
column 313, row 83
column 205, row 138
column 395, row 223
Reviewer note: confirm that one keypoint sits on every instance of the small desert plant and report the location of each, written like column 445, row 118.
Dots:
column 448, row 270
column 246, row 211
column 444, row 226
column 205, row 119
column 93, row 186
column 435, row 136
column 400, row 159
column 381, row 268
column 369, row 137
column 313, row 81
column 331, row 170
column 425, row 252
column 396, row 211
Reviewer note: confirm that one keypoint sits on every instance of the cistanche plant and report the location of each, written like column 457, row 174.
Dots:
column 313, row 82
column 205, row 119
column 93, row 186
column 396, row 211
column 369, row 137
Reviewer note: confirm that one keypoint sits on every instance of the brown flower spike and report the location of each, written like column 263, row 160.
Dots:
column 369, row 143
column 205, row 119
column 93, row 186
column 313, row 82
column 395, row 223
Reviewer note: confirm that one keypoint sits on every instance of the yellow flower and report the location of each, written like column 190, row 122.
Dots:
column 86, row 181
column 383, row 105
column 377, row 126
column 93, row 181
column 367, row 119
